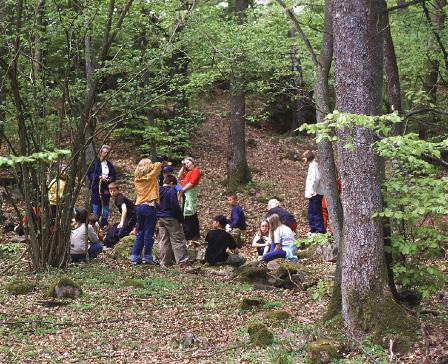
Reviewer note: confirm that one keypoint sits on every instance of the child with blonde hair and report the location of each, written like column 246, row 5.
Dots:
column 147, row 189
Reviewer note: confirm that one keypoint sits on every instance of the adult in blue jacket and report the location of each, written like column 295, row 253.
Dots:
column 100, row 174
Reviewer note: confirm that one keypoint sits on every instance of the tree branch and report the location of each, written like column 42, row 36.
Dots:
column 426, row 110
column 404, row 5
column 300, row 31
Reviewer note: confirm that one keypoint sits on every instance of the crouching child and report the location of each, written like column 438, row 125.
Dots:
column 218, row 242
column 78, row 239
column 128, row 218
column 171, row 234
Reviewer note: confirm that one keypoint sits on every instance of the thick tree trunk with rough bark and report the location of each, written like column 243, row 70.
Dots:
column 238, row 172
column 358, row 76
column 358, row 45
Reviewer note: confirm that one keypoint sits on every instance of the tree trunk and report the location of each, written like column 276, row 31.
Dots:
column 436, row 19
column 238, row 172
column 326, row 154
column 358, row 77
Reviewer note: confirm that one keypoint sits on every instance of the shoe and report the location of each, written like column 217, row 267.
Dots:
column 151, row 262
column 135, row 262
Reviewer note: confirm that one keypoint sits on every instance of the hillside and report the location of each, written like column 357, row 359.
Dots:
column 139, row 314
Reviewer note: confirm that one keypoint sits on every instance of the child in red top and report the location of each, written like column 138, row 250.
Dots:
column 190, row 176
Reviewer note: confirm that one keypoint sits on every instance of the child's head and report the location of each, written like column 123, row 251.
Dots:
column 232, row 200
column 93, row 218
column 274, row 222
column 81, row 216
column 144, row 167
column 219, row 221
column 263, row 227
column 307, row 156
column 273, row 203
column 63, row 170
column 167, row 170
column 169, row 179
column 113, row 189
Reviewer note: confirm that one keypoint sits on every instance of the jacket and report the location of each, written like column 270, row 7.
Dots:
column 147, row 186
column 313, row 186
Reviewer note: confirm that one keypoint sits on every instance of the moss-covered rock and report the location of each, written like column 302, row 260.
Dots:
column 136, row 283
column 386, row 320
column 279, row 315
column 19, row 286
column 260, row 335
column 252, row 274
column 252, row 302
column 122, row 250
column 286, row 270
column 65, row 287
column 322, row 351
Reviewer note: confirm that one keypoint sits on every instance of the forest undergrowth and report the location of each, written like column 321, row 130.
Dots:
column 140, row 314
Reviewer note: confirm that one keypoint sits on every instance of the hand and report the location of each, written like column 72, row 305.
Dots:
column 119, row 226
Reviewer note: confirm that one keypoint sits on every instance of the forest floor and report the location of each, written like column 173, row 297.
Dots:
column 141, row 314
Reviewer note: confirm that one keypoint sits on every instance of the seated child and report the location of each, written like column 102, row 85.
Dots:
column 171, row 234
column 218, row 241
column 93, row 221
column 261, row 238
column 282, row 238
column 237, row 217
column 78, row 239
column 128, row 217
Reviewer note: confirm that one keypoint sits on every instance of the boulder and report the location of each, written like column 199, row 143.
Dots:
column 251, row 302
column 322, row 351
column 65, row 288
column 252, row 274
column 326, row 252
column 19, row 286
column 260, row 335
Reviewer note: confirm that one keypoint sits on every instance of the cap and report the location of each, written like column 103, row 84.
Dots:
column 167, row 169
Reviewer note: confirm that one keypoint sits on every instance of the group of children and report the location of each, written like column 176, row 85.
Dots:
column 159, row 198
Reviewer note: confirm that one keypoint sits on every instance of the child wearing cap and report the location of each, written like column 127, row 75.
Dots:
column 218, row 242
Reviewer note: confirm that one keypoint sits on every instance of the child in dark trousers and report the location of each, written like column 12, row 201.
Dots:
column 218, row 241
column 128, row 218
column 171, row 234
column 314, row 194
column 237, row 217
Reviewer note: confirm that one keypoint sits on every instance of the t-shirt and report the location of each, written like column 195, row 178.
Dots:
column 218, row 241
column 120, row 199
column 104, row 169
column 192, row 177
column 78, row 237
column 283, row 235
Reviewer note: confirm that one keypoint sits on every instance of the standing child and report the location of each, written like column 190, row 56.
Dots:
column 172, row 239
column 128, row 218
column 237, row 217
column 56, row 191
column 314, row 194
column 218, row 241
column 147, row 188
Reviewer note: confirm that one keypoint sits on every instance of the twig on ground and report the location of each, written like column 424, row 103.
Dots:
column 13, row 264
